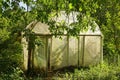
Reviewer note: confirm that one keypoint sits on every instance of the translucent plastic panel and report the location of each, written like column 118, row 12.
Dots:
column 91, row 49
column 40, row 56
column 73, row 51
column 25, row 52
column 41, row 28
column 59, row 56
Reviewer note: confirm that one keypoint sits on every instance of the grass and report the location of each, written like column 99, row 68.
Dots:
column 102, row 71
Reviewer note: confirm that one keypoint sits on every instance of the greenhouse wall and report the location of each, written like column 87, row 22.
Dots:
column 56, row 53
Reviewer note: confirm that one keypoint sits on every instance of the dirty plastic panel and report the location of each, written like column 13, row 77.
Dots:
column 73, row 51
column 59, row 56
column 40, row 56
column 91, row 49
column 25, row 52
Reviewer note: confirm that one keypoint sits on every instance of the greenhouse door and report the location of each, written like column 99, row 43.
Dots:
column 42, row 54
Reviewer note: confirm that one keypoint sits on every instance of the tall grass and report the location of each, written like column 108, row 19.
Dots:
column 108, row 70
column 104, row 71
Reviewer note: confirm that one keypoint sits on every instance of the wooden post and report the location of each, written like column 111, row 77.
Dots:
column 68, row 50
column 78, row 51
column 46, row 54
column 49, row 52
column 83, row 50
column 101, row 50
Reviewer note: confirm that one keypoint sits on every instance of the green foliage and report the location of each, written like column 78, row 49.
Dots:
column 42, row 9
column 10, row 56
column 17, row 74
column 100, row 72
column 108, row 18
column 14, row 19
column 4, row 35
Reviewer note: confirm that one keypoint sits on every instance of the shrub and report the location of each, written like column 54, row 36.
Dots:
column 17, row 74
column 99, row 72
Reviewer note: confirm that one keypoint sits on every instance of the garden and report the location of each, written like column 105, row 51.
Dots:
column 15, row 15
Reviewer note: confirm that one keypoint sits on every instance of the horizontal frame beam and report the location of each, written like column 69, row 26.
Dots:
column 68, row 35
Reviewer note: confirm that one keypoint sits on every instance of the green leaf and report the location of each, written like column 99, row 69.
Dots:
column 70, row 6
column 108, row 15
column 80, row 9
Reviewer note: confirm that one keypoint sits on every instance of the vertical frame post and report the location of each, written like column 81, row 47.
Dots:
column 101, row 49
column 83, row 50
column 46, row 55
column 68, row 50
column 78, row 51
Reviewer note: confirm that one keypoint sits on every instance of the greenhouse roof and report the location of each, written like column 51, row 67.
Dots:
column 43, row 29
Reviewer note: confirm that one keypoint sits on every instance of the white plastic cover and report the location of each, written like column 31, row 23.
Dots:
column 73, row 51
column 68, row 51
column 92, row 50
column 59, row 56
column 40, row 55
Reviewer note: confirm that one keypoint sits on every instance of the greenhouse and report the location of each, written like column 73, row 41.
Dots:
column 84, row 50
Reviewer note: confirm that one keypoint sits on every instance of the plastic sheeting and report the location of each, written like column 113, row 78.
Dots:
column 91, row 50
column 40, row 55
column 73, row 51
column 57, row 53
column 25, row 52
column 59, row 56
column 68, row 51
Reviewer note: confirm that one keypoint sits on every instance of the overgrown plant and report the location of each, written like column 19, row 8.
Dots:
column 100, row 72
column 17, row 74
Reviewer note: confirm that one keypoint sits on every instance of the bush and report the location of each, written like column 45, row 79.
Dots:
column 17, row 74
column 99, row 72
column 11, row 56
